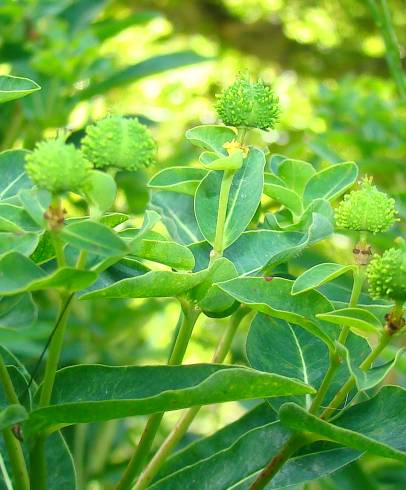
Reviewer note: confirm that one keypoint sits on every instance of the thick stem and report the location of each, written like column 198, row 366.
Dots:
column 222, row 212
column 189, row 315
column 188, row 416
column 13, row 446
column 294, row 443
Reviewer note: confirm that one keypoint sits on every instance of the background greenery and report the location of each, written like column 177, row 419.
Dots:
column 343, row 98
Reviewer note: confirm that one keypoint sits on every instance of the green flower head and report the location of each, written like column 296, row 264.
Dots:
column 366, row 209
column 247, row 104
column 119, row 142
column 387, row 275
column 57, row 166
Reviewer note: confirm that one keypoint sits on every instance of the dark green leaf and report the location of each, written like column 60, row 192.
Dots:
column 13, row 177
column 165, row 252
column 90, row 393
column 18, row 311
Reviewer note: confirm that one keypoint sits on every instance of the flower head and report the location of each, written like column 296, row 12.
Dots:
column 57, row 166
column 247, row 104
column 387, row 275
column 366, row 209
column 120, row 142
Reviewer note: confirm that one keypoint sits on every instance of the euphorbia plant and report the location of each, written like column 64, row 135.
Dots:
column 234, row 223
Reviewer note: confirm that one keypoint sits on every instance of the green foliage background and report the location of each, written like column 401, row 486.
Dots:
column 164, row 61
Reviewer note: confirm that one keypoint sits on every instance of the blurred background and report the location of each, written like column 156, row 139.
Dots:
column 342, row 92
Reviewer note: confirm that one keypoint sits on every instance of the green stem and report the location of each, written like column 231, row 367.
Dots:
column 58, row 246
column 295, row 442
column 13, row 446
column 81, row 260
column 382, row 18
column 135, row 464
column 226, row 182
column 188, row 416
column 349, row 384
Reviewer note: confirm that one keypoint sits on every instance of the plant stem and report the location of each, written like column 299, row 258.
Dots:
column 58, row 246
column 188, row 416
column 135, row 464
column 295, row 442
column 382, row 18
column 13, row 446
column 81, row 260
column 226, row 182
column 349, row 384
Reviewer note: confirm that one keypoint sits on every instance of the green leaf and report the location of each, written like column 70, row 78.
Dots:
column 275, row 346
column 355, row 318
column 145, row 68
column 22, row 242
column 211, row 137
column 230, row 162
column 35, row 202
column 101, row 191
column 20, row 274
column 91, row 393
column 295, row 174
column 154, row 284
column 17, row 311
column 318, row 275
column 222, row 439
column 275, row 247
column 272, row 297
column 177, row 212
column 245, row 195
column 365, row 380
column 238, row 465
column 274, row 161
column 13, row 176
column 12, row 415
column 178, row 179
column 12, row 88
column 330, row 182
column 109, row 27
column 284, row 196
column 165, row 252
column 376, row 426
column 15, row 219
column 95, row 238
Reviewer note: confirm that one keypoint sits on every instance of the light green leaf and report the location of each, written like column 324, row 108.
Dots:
column 90, row 393
column 101, row 191
column 234, row 467
column 376, row 426
column 211, row 137
column 22, row 242
column 355, row 318
column 295, row 174
column 12, row 415
column 165, row 252
column 178, row 179
column 17, row 311
column 177, row 212
column 12, row 88
column 20, row 274
column 245, row 195
column 275, row 346
column 365, row 380
column 95, row 238
column 230, row 162
column 15, row 219
column 318, row 275
column 330, row 182
column 284, row 196
column 35, row 202
column 272, row 297
column 13, row 176
column 274, row 161
column 154, row 284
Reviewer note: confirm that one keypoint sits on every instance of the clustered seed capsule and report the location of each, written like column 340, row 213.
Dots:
column 246, row 104
column 366, row 209
column 119, row 142
column 387, row 275
column 57, row 166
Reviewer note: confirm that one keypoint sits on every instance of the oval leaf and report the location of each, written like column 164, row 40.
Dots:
column 318, row 275
column 211, row 137
column 355, row 318
column 178, row 179
column 12, row 88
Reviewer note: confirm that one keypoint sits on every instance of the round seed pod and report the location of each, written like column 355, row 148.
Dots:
column 119, row 142
column 387, row 275
column 57, row 166
column 246, row 104
column 366, row 209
